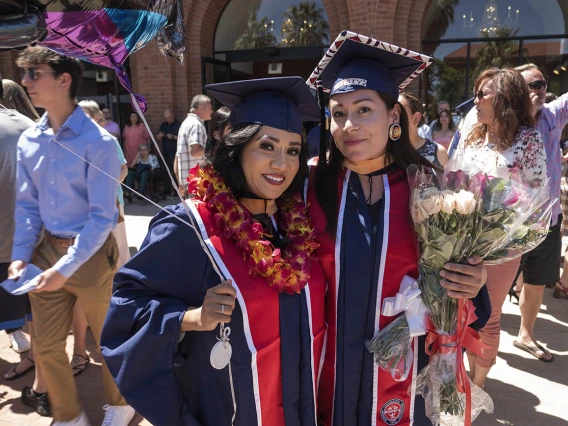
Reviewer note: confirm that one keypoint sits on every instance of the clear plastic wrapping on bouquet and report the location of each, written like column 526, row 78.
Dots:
column 444, row 406
column 458, row 214
column 463, row 213
column 392, row 348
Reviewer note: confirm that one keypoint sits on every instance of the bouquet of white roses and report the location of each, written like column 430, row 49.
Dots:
column 458, row 215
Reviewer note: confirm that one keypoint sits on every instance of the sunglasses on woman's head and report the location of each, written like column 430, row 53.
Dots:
column 33, row 73
column 537, row 84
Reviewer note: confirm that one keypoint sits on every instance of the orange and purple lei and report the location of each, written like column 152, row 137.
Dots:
column 286, row 270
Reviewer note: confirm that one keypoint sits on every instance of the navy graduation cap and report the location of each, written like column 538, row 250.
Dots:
column 280, row 102
column 354, row 61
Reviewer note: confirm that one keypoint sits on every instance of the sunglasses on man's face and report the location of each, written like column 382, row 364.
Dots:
column 33, row 73
column 537, row 84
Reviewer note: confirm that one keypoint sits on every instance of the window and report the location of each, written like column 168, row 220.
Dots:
column 250, row 24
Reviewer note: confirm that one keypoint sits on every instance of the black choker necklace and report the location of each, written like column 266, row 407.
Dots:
column 253, row 196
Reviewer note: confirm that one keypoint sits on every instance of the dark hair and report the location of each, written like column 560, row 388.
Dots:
column 438, row 124
column 37, row 55
column 227, row 160
column 550, row 97
column 512, row 104
column 14, row 97
column 217, row 124
column 400, row 152
column 415, row 105
column 130, row 122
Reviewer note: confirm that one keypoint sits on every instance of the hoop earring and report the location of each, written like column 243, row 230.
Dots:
column 395, row 131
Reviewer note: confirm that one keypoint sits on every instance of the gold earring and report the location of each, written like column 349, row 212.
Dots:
column 395, row 131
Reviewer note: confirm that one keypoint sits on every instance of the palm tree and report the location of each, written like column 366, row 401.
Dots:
column 257, row 34
column 500, row 53
column 441, row 17
column 304, row 25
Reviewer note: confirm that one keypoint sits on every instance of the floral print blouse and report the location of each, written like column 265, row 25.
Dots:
column 524, row 161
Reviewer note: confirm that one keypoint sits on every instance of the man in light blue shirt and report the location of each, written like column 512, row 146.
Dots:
column 62, row 188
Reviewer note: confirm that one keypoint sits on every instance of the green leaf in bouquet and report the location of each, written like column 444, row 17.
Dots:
column 491, row 235
column 504, row 216
column 391, row 347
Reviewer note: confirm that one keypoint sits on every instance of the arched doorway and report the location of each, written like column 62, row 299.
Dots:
column 267, row 38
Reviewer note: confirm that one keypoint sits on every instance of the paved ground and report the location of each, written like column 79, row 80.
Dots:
column 526, row 392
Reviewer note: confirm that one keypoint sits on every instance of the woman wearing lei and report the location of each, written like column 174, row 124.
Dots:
column 359, row 205
column 169, row 301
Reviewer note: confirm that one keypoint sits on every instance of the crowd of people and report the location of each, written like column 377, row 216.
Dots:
column 298, row 309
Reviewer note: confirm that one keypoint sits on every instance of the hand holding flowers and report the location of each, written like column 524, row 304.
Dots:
column 462, row 218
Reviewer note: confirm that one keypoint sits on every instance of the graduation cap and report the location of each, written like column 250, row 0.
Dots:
column 280, row 102
column 354, row 61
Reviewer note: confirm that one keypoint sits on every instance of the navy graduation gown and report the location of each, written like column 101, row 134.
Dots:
column 364, row 264
column 277, row 339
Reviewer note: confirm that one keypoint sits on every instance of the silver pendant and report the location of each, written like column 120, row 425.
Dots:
column 222, row 351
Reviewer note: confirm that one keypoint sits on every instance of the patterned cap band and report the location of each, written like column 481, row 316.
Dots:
column 354, row 62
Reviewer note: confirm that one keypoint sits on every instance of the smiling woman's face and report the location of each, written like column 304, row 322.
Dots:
column 270, row 161
column 360, row 123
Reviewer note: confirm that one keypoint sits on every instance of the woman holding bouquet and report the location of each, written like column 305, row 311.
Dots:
column 503, row 143
column 359, row 204
column 161, row 337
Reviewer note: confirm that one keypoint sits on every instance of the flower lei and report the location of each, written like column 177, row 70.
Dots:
column 286, row 270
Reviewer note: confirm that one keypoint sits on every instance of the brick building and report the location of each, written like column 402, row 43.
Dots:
column 215, row 51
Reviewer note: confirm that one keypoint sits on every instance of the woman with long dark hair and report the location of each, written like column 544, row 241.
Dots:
column 219, row 126
column 431, row 151
column 14, row 97
column 162, row 340
column 359, row 204
column 134, row 135
column 444, row 129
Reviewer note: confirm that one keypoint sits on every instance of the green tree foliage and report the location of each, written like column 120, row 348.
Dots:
column 446, row 84
column 500, row 53
column 304, row 25
column 257, row 34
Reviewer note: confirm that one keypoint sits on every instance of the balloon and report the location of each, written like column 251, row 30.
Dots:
column 103, row 32
column 19, row 28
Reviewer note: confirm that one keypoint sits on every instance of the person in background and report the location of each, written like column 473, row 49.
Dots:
column 80, row 360
column 219, row 126
column 503, row 143
column 16, row 115
column 109, row 125
column 427, row 134
column 12, row 309
column 167, row 136
column 77, row 210
column 134, row 135
column 141, row 168
column 313, row 138
column 539, row 267
column 431, row 151
column 550, row 97
column 444, row 129
column 192, row 138
column 558, row 293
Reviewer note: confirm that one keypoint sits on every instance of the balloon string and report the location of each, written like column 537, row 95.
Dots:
column 232, row 394
column 191, row 225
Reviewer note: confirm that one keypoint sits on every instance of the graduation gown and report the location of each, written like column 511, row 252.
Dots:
column 277, row 339
column 364, row 264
